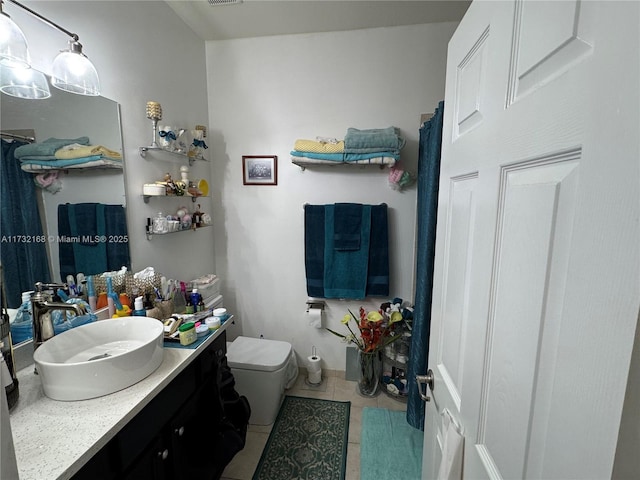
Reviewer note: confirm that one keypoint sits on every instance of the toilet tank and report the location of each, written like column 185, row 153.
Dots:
column 260, row 369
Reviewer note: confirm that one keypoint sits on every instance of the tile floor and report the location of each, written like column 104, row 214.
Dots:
column 333, row 387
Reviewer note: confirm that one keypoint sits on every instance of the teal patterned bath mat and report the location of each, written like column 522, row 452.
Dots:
column 308, row 441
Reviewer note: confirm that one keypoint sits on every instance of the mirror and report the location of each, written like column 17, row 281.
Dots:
column 65, row 115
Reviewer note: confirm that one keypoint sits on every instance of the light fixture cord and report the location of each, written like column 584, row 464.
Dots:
column 45, row 20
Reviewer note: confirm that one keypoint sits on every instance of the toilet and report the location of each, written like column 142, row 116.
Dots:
column 262, row 370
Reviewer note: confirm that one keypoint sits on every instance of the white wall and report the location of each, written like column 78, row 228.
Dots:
column 142, row 52
column 265, row 93
column 257, row 96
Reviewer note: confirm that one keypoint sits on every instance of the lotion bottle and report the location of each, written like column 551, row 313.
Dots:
column 110, row 294
column 91, row 294
column 139, row 308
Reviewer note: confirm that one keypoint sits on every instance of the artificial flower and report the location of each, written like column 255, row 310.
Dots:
column 375, row 328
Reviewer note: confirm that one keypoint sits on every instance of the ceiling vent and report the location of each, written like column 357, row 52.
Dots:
column 215, row 3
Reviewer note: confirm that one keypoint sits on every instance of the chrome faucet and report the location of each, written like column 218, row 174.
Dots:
column 42, row 305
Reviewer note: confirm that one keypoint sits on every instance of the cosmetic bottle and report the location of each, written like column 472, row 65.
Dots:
column 188, row 309
column 201, row 306
column 26, row 310
column 139, row 308
column 102, row 300
column 187, row 333
column 91, row 294
column 195, row 299
column 110, row 294
column 125, row 300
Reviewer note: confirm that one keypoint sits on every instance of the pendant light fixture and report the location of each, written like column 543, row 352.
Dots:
column 23, row 82
column 13, row 44
column 72, row 71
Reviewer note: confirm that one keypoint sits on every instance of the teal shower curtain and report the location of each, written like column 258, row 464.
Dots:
column 428, row 178
column 23, row 250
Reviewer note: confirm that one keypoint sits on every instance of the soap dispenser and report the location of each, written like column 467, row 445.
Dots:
column 139, row 308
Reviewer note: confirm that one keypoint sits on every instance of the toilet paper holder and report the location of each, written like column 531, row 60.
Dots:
column 319, row 304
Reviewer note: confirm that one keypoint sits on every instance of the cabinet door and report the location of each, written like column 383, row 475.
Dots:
column 185, row 435
column 192, row 426
column 151, row 465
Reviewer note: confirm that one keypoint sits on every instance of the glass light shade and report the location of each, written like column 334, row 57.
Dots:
column 73, row 72
column 23, row 83
column 13, row 44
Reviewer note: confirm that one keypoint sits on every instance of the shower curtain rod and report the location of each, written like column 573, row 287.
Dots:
column 15, row 136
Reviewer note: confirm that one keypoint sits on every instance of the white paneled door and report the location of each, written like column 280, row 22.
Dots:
column 536, row 287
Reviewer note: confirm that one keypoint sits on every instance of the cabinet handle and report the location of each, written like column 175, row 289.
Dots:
column 163, row 454
column 179, row 431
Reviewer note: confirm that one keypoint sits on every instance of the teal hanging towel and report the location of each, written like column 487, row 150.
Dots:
column 346, row 250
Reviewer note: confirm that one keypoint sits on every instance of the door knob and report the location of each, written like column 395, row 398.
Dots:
column 425, row 379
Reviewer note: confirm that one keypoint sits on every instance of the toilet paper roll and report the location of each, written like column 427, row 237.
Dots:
column 314, row 370
column 315, row 317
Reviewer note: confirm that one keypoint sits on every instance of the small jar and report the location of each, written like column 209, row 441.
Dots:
column 187, row 333
column 202, row 330
column 221, row 313
column 213, row 323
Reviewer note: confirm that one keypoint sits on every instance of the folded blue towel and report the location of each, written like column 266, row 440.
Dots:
column 48, row 146
column 345, row 271
column 55, row 163
column 346, row 157
column 373, row 140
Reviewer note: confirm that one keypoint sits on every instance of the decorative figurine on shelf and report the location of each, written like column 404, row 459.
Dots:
column 154, row 113
column 184, row 175
column 172, row 188
column 182, row 141
column 167, row 137
column 196, row 219
column 198, row 146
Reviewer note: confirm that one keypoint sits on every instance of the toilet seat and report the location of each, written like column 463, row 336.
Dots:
column 258, row 354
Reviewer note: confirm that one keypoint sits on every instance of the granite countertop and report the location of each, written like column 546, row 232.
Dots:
column 54, row 439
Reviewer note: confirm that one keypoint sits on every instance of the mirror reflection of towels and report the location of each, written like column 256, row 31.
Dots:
column 98, row 238
column 452, row 449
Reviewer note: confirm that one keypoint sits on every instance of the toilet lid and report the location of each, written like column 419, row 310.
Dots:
column 258, row 354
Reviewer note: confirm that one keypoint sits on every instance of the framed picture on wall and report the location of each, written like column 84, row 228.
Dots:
column 260, row 169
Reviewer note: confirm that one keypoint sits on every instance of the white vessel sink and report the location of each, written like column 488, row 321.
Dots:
column 99, row 358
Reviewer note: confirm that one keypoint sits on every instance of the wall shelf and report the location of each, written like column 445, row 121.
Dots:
column 305, row 163
column 152, row 234
column 146, row 198
column 168, row 154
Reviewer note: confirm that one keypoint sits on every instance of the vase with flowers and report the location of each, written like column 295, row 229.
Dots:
column 375, row 332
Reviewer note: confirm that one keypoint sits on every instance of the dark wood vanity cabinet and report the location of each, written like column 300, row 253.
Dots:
column 168, row 438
